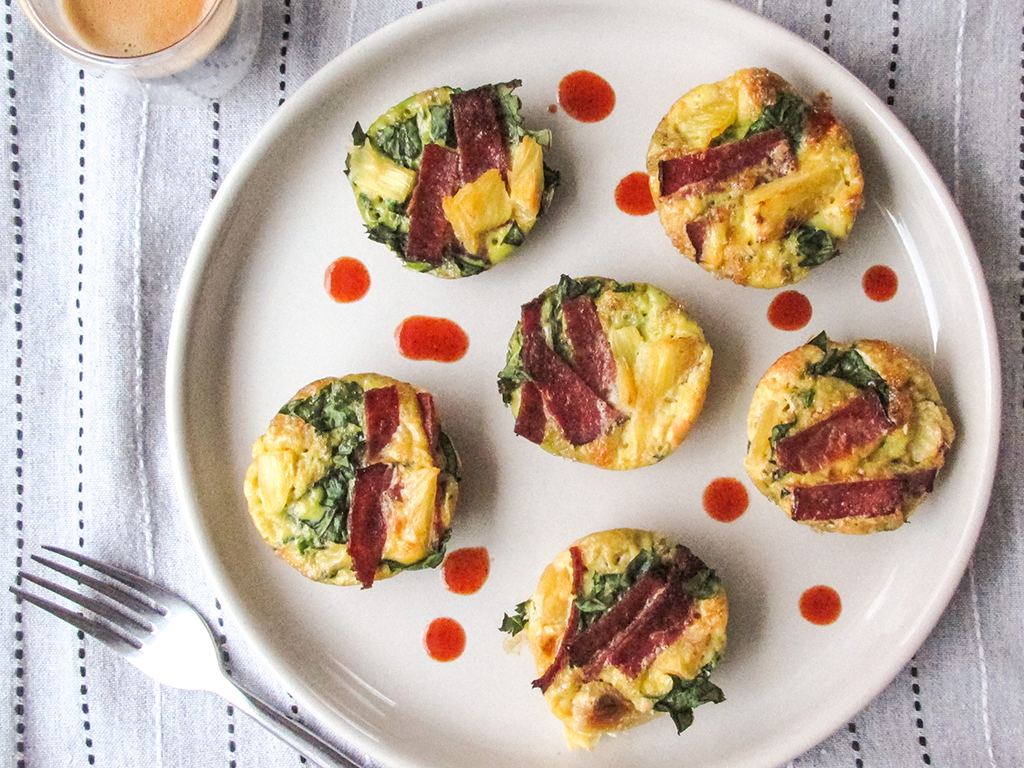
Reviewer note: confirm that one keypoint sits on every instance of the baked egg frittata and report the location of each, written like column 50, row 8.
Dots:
column 624, row 625
column 451, row 180
column 354, row 480
column 752, row 181
column 847, row 437
column 606, row 373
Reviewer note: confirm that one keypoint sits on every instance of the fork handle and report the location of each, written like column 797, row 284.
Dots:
column 289, row 731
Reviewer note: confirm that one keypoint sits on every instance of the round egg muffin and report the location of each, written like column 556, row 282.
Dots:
column 847, row 437
column 451, row 180
column 752, row 181
column 624, row 625
column 354, row 480
column 606, row 373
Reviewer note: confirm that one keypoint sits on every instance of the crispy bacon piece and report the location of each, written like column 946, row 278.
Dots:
column 367, row 520
column 428, row 415
column 592, row 354
column 478, row 134
column 656, row 628
column 858, row 423
column 759, row 158
column 562, row 655
column 861, row 498
column 580, row 413
column 697, row 231
column 429, row 230
column 381, row 419
column 531, row 420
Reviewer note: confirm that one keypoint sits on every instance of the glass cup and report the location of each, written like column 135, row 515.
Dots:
column 206, row 63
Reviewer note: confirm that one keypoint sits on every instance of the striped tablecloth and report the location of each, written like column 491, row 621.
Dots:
column 104, row 193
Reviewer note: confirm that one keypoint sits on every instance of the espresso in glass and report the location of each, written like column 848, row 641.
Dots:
column 127, row 28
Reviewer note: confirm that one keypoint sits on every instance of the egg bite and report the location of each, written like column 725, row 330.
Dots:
column 605, row 373
column 451, row 180
column 847, row 437
column 624, row 625
column 354, row 480
column 752, row 181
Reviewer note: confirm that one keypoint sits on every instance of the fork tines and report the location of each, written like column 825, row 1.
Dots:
column 131, row 626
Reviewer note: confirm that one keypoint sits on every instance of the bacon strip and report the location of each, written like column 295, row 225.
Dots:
column 562, row 656
column 429, row 230
column 381, row 419
column 592, row 354
column 531, row 420
column 858, row 423
column 760, row 158
column 862, row 498
column 580, row 413
column 478, row 134
column 660, row 625
column 367, row 521
column 428, row 415
column 697, row 231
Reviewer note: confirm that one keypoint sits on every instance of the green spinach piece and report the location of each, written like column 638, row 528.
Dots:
column 850, row 366
column 392, row 238
column 358, row 137
column 786, row 113
column 451, row 458
column 685, row 695
column 513, row 375
column 337, row 405
column 432, row 560
column 517, row 622
column 702, row 585
column 441, row 131
column 400, row 141
column 779, row 431
column 816, row 246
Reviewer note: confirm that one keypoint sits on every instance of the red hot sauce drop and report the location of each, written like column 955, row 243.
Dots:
column 880, row 283
column 725, row 499
column 820, row 605
column 431, row 338
column 445, row 639
column 585, row 96
column 789, row 311
column 633, row 195
column 464, row 571
column 346, row 280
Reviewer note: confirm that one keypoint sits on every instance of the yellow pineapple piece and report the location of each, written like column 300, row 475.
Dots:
column 377, row 175
column 775, row 207
column 478, row 207
column 526, row 182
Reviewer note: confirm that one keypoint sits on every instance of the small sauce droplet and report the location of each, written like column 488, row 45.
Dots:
column 585, row 96
column 789, row 311
column 633, row 195
column 820, row 605
column 431, row 338
column 880, row 283
column 725, row 499
column 346, row 280
column 464, row 571
column 445, row 639
column 552, row 108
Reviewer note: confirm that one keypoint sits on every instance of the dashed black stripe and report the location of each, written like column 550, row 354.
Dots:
column 285, row 35
column 82, row 669
column 19, row 260
column 858, row 762
column 222, row 642
column 921, row 740
column 826, row 33
column 215, row 144
column 890, row 99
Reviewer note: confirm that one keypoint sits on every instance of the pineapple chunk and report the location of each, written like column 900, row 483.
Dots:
column 412, row 515
column 662, row 366
column 479, row 206
column 774, row 207
column 626, row 343
column 276, row 473
column 526, row 182
column 709, row 110
column 377, row 175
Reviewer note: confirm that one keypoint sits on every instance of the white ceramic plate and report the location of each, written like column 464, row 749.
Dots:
column 253, row 325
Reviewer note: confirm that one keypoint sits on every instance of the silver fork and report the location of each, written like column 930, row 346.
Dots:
column 167, row 640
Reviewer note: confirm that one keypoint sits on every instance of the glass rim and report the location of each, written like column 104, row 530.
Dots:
column 76, row 51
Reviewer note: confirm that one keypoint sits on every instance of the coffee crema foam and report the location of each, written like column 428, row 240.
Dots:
column 126, row 28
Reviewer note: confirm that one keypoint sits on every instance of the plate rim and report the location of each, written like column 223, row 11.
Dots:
column 201, row 258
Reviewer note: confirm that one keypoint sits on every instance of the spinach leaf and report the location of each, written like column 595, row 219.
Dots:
column 392, row 238
column 517, row 622
column 816, row 246
column 432, row 560
column 451, row 458
column 358, row 135
column 779, row 431
column 703, row 584
column 400, row 141
column 606, row 589
column 441, row 130
column 513, row 375
column 685, row 695
column 335, row 406
column 849, row 366
column 514, row 236
column 786, row 113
